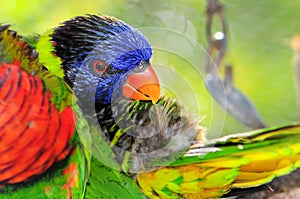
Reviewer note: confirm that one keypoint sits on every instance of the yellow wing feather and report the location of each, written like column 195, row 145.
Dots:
column 243, row 168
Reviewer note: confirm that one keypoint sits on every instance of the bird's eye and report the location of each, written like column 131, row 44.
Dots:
column 99, row 67
column 141, row 67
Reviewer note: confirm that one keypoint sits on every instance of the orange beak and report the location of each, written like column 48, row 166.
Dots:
column 142, row 86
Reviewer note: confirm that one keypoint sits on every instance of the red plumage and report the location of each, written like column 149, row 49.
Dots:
column 33, row 133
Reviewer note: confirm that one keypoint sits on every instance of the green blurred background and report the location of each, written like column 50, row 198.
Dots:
column 259, row 32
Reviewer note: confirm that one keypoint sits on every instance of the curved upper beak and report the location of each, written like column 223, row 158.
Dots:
column 142, row 85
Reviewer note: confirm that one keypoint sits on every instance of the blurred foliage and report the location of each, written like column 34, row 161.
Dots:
column 258, row 49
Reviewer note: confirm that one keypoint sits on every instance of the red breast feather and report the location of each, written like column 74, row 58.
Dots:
column 33, row 134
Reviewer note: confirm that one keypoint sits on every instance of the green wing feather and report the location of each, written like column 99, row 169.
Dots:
column 105, row 182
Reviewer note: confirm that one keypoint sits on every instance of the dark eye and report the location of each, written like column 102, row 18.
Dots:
column 99, row 67
column 141, row 67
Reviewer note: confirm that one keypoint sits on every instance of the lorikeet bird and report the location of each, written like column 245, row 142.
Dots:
column 144, row 144
column 40, row 154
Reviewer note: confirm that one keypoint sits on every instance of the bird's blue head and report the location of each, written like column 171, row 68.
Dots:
column 104, row 58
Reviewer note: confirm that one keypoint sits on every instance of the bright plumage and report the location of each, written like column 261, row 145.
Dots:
column 39, row 149
column 211, row 169
column 103, row 59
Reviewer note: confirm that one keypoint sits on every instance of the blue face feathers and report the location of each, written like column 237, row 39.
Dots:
column 98, row 53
